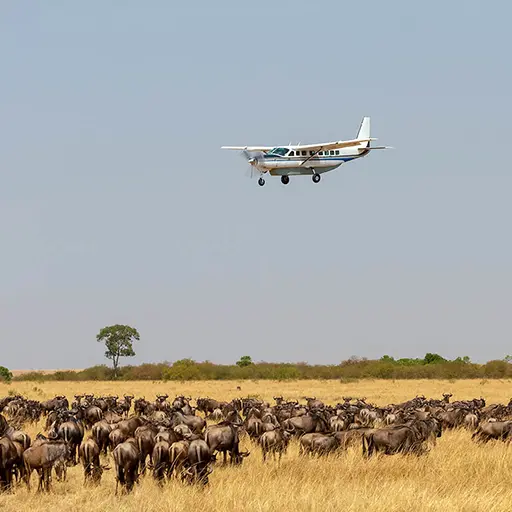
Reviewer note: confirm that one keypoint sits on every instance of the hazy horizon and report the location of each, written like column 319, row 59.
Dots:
column 117, row 204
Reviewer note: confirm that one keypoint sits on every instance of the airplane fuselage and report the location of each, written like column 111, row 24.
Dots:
column 298, row 162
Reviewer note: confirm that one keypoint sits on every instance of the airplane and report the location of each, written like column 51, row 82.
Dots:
column 309, row 159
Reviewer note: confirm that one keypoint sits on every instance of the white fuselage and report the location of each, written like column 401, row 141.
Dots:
column 294, row 161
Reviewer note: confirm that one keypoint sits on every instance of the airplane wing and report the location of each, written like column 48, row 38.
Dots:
column 310, row 147
column 249, row 148
column 332, row 145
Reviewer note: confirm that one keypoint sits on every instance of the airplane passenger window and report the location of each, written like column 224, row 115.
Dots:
column 337, row 152
column 291, row 153
column 304, row 153
column 332, row 152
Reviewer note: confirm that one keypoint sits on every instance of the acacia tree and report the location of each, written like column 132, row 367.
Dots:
column 244, row 361
column 118, row 341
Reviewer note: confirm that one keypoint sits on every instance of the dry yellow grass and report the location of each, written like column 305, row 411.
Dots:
column 456, row 475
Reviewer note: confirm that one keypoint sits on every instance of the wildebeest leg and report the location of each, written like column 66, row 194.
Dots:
column 225, row 455
column 119, row 477
column 28, row 473
column 40, row 473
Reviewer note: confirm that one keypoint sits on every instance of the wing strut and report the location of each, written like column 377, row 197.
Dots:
column 314, row 153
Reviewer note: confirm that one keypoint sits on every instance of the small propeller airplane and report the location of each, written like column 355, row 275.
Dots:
column 308, row 159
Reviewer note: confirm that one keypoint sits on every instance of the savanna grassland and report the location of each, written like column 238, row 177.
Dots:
column 456, row 475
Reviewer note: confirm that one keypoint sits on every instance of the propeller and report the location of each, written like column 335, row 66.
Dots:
column 253, row 161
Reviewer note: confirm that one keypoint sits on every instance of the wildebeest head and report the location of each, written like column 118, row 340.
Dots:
column 96, row 472
column 238, row 458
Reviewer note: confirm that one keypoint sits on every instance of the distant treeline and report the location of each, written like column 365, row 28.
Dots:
column 432, row 366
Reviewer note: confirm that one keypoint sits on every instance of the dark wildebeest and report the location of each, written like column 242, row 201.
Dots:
column 126, row 459
column 8, row 458
column 90, row 415
column 171, row 436
column 89, row 454
column 493, row 430
column 207, row 405
column 199, row 458
column 223, row 437
column 126, row 404
column 254, row 427
column 145, row 436
column 314, row 421
column 391, row 440
column 100, row 431
column 72, row 432
column 130, row 425
column 274, row 441
column 3, row 425
column 43, row 458
column 161, row 460
column 116, row 437
column 313, row 403
column 195, row 423
column 178, row 456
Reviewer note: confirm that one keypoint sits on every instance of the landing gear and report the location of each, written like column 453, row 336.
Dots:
column 316, row 178
column 261, row 182
column 285, row 180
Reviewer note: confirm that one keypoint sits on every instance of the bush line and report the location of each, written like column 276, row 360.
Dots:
column 430, row 367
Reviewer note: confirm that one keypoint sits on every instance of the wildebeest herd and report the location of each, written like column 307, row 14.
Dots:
column 174, row 439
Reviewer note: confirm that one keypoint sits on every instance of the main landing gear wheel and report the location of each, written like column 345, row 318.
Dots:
column 261, row 182
column 316, row 178
column 285, row 180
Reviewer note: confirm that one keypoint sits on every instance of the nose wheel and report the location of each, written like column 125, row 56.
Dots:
column 316, row 178
column 261, row 182
column 285, row 180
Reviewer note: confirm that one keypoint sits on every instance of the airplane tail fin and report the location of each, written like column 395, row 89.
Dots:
column 364, row 132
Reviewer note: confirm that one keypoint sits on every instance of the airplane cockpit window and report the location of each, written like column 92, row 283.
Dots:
column 279, row 151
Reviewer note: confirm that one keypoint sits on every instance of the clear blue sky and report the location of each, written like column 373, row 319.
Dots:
column 118, row 206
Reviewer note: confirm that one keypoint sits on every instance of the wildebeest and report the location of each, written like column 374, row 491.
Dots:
column 178, row 456
column 224, row 438
column 126, row 459
column 100, row 431
column 43, row 458
column 274, row 442
column 161, row 460
column 199, row 458
column 72, row 432
column 409, row 438
column 89, row 454
column 493, row 430
column 8, row 457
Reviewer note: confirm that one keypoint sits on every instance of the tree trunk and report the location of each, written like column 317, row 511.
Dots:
column 115, row 364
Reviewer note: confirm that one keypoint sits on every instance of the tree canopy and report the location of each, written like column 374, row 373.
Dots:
column 5, row 374
column 244, row 361
column 118, row 341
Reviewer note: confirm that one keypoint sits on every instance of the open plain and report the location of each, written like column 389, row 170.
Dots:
column 457, row 474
